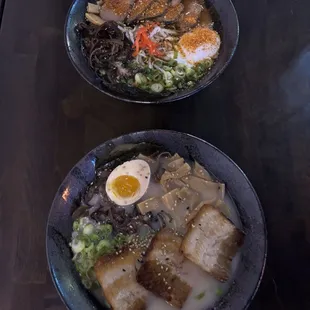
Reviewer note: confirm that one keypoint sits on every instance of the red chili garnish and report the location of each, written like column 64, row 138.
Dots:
column 143, row 41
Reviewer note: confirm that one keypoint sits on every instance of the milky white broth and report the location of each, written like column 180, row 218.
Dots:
column 198, row 279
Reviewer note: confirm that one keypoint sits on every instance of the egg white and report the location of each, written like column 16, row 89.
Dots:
column 137, row 168
column 205, row 51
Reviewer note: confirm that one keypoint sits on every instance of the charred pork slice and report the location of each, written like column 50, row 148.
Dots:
column 117, row 277
column 173, row 14
column 191, row 15
column 156, row 9
column 211, row 242
column 138, row 9
column 115, row 10
column 159, row 273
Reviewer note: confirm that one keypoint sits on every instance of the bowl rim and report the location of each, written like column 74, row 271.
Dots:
column 165, row 131
column 163, row 100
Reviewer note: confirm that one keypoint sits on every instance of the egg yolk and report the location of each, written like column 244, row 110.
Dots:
column 125, row 186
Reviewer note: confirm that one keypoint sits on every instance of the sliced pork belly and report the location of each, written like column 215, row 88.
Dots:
column 173, row 14
column 117, row 277
column 138, row 9
column 115, row 10
column 156, row 9
column 159, row 273
column 211, row 242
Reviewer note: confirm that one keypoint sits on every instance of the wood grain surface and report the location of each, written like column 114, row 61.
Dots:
column 258, row 112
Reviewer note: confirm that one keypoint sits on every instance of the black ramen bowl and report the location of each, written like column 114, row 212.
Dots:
column 225, row 23
column 250, row 269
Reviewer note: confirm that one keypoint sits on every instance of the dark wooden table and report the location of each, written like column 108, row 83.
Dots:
column 258, row 112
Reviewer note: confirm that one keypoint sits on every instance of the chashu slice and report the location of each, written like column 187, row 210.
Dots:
column 211, row 242
column 190, row 17
column 160, row 271
column 138, row 9
column 156, row 9
column 115, row 10
column 173, row 14
column 117, row 277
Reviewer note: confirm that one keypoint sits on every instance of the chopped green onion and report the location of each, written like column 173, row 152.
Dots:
column 175, row 54
column 77, row 246
column 120, row 240
column 219, row 292
column 157, row 88
column 168, row 76
column 88, row 229
column 172, row 63
column 157, row 77
column 167, row 68
column 200, row 296
column 158, row 63
column 172, row 88
column 106, row 230
column 208, row 63
column 179, row 72
column 140, row 78
column 94, row 237
column 103, row 244
column 169, row 83
column 190, row 83
column 76, row 225
column 189, row 72
column 178, row 78
column 180, row 85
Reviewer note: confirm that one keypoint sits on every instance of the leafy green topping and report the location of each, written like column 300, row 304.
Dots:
column 91, row 240
column 170, row 75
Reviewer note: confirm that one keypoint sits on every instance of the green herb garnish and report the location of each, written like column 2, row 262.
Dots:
column 219, row 292
column 91, row 241
column 200, row 296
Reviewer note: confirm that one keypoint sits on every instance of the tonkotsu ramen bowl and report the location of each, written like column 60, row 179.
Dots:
column 225, row 23
column 249, row 271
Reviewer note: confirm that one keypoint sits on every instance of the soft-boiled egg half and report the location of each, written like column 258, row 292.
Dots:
column 201, row 44
column 128, row 182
